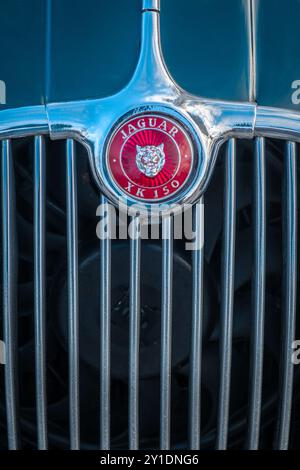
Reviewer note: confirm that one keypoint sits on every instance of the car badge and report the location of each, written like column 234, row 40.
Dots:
column 150, row 157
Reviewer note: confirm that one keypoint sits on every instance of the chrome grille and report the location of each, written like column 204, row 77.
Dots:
column 9, row 293
column 39, row 288
column 73, row 313
column 227, row 272
column 105, row 313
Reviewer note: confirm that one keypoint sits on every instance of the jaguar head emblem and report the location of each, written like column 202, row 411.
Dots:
column 150, row 159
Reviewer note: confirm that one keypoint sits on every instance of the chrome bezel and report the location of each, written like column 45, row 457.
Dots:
column 182, row 193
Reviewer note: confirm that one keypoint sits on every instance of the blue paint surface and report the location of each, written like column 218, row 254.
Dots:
column 22, row 51
column 205, row 46
column 89, row 48
column 278, row 59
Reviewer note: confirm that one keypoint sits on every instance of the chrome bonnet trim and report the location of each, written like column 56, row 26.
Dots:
column 213, row 123
column 23, row 122
column 263, row 121
column 277, row 123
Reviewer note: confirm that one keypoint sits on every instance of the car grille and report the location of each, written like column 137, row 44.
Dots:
column 34, row 375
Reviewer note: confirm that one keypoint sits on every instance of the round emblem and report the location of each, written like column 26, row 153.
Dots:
column 150, row 157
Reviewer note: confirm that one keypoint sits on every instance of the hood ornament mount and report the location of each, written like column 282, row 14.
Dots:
column 178, row 134
column 150, row 111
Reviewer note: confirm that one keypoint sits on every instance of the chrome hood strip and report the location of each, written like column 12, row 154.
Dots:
column 23, row 122
column 251, row 21
column 262, row 121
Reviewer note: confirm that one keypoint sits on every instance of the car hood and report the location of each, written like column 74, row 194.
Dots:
column 63, row 50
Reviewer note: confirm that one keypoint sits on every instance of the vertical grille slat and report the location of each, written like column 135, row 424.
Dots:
column 9, row 293
column 73, row 307
column 197, row 319
column 135, row 265
column 40, row 289
column 289, row 286
column 105, row 331
column 166, row 331
column 258, row 293
column 228, row 262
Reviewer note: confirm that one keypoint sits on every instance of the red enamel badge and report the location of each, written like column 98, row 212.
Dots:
column 150, row 157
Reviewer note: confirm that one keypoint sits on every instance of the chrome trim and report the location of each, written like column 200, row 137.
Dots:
column 216, row 121
column 73, row 295
column 290, row 295
column 166, row 332
column 40, row 289
column 196, row 329
column 9, row 255
column 105, row 329
column 152, row 89
column 151, row 5
column 251, row 20
column 277, row 123
column 258, row 304
column 227, row 295
column 23, row 122
column 134, row 335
